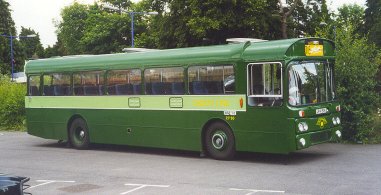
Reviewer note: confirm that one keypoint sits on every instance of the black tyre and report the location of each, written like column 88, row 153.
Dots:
column 219, row 141
column 79, row 134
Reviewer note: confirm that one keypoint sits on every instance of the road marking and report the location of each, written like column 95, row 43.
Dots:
column 141, row 186
column 252, row 191
column 45, row 182
column 1, row 134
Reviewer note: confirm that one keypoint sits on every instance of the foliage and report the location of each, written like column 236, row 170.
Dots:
column 33, row 47
column 7, row 27
column 373, row 21
column 71, row 29
column 351, row 14
column 356, row 84
column 357, row 62
column 12, row 105
column 111, row 30
column 94, row 29
column 193, row 23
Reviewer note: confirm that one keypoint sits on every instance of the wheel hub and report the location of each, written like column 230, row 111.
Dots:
column 81, row 134
column 219, row 140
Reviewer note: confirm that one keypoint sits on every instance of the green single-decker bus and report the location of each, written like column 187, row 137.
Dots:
column 270, row 96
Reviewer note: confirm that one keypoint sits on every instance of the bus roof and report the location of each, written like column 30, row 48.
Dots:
column 269, row 50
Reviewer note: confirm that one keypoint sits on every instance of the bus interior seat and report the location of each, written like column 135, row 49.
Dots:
column 111, row 89
column 124, row 89
column 93, row 89
column 158, row 88
column 136, row 88
column 198, row 87
column 177, row 88
column 78, row 90
column 61, row 90
column 48, row 90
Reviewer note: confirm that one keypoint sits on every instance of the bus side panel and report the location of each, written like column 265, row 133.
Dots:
column 263, row 130
column 47, row 123
column 162, row 129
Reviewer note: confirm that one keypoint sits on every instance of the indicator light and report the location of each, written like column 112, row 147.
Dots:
column 301, row 113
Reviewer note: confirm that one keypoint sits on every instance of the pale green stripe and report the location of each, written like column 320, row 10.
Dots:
column 189, row 102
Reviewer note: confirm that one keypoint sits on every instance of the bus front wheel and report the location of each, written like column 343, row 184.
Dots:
column 79, row 134
column 219, row 141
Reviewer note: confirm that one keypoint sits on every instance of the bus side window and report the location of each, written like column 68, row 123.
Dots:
column 211, row 79
column 124, row 82
column 57, row 84
column 34, row 85
column 265, row 84
column 88, row 83
column 164, row 81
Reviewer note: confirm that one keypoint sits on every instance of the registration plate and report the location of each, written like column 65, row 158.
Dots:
column 321, row 111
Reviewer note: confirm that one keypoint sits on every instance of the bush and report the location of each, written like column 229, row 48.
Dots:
column 356, row 68
column 12, row 104
column 376, row 137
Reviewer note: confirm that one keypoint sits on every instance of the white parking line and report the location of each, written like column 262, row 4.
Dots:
column 252, row 191
column 45, row 182
column 140, row 186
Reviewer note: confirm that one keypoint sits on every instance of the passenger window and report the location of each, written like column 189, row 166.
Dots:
column 34, row 86
column 57, row 84
column 211, row 79
column 88, row 83
column 124, row 82
column 265, row 84
column 164, row 81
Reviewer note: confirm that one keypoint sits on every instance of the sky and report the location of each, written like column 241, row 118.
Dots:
column 40, row 15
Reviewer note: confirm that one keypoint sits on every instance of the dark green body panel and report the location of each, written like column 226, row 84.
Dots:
column 258, row 129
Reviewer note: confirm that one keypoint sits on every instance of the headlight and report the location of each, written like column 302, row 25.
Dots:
column 302, row 127
column 302, row 141
column 338, row 120
column 305, row 126
column 338, row 133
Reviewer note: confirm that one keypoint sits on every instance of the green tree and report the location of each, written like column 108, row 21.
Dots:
column 192, row 23
column 7, row 27
column 307, row 16
column 56, row 50
column 373, row 21
column 110, row 34
column 351, row 14
column 32, row 46
column 72, row 27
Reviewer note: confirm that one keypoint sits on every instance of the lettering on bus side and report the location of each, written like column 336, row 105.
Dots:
column 211, row 103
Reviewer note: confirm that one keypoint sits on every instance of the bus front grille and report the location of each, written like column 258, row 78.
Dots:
column 319, row 137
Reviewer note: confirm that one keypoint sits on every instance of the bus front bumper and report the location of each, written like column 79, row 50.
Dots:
column 306, row 140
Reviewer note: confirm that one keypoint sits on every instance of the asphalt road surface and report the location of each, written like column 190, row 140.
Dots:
column 54, row 168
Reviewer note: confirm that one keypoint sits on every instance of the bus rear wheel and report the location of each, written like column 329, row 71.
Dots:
column 219, row 141
column 79, row 134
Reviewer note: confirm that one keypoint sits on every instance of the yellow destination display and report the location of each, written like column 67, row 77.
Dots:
column 314, row 50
